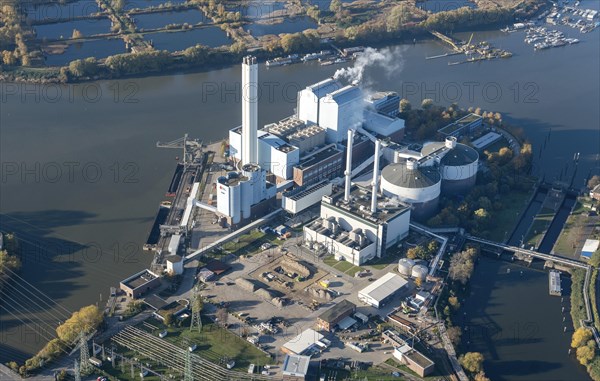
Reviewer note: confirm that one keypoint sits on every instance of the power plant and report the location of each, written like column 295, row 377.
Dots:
column 338, row 134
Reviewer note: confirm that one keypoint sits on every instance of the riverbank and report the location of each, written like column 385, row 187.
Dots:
column 384, row 26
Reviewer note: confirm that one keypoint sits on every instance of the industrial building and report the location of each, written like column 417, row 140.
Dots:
column 174, row 264
column 336, row 314
column 414, row 360
column 413, row 184
column 303, row 343
column 378, row 293
column 303, row 197
column 139, row 284
column 340, row 111
column 244, row 195
column 295, row 367
column 384, row 102
column 464, row 125
column 407, row 354
column 358, row 224
column 420, row 177
column 307, row 146
column 590, row 246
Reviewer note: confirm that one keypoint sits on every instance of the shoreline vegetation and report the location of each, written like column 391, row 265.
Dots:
column 351, row 24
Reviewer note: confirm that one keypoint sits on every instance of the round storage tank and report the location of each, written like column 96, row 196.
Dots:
column 420, row 271
column 405, row 266
column 459, row 169
column 417, row 185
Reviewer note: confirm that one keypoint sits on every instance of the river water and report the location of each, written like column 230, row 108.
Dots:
column 82, row 178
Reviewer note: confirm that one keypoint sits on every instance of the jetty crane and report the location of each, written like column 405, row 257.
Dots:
column 189, row 147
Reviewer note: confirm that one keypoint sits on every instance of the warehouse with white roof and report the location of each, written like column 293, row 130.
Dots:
column 382, row 290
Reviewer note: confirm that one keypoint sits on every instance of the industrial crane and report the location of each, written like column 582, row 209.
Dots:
column 188, row 146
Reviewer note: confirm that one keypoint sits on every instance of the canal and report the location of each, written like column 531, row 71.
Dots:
column 513, row 321
column 85, row 228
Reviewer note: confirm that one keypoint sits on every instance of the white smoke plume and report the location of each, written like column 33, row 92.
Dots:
column 390, row 61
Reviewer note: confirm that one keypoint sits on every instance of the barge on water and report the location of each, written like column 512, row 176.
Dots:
column 554, row 286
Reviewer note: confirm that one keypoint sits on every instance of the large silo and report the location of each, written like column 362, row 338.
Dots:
column 419, row 272
column 459, row 168
column 417, row 185
column 405, row 266
column 229, row 196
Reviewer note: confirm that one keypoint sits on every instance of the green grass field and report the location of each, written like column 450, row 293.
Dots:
column 343, row 266
column 505, row 219
column 569, row 236
column 538, row 228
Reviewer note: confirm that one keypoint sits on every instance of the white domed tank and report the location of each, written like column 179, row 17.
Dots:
column 405, row 266
column 459, row 168
column 417, row 185
column 419, row 271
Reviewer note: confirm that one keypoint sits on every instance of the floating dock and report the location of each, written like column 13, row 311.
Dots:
column 554, row 286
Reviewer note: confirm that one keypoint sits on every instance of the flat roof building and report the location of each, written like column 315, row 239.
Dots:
column 304, row 197
column 330, row 318
column 139, row 283
column 351, row 232
column 302, row 343
column 382, row 290
column 414, row 360
column 589, row 248
column 462, row 126
column 295, row 367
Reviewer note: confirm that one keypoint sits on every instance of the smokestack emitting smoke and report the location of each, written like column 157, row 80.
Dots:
column 375, row 178
column 348, row 172
column 388, row 60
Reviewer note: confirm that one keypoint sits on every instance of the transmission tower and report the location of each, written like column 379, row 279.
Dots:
column 196, row 323
column 77, row 371
column 188, row 375
column 84, row 363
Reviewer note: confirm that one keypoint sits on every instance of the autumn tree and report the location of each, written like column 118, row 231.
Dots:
column 87, row 319
column 405, row 105
column 580, row 337
column 480, row 376
column 461, row 267
column 593, row 182
column 472, row 361
column 454, row 334
column 586, row 353
column 426, row 103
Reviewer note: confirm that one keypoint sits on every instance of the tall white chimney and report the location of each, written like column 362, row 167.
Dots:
column 249, row 110
column 348, row 172
column 375, row 178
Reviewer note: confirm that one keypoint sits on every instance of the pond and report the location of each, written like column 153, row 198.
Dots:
column 292, row 25
column 142, row 4
column 97, row 48
column 257, row 9
column 161, row 19
column 64, row 30
column 172, row 41
column 436, row 6
column 55, row 11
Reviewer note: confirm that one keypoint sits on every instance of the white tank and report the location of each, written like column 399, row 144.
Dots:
column 411, row 183
column 459, row 169
column 419, row 271
column 405, row 266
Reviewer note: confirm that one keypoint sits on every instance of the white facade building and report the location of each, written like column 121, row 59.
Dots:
column 308, row 99
column 350, row 231
column 340, row 111
column 304, row 197
column 382, row 290
column 239, row 191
